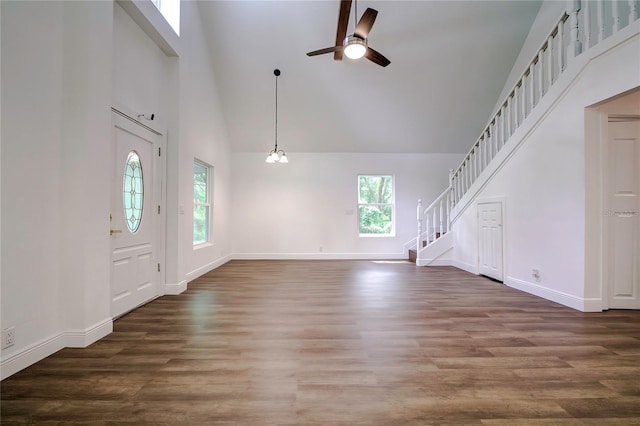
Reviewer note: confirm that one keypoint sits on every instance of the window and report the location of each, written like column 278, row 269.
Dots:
column 375, row 205
column 201, row 202
column 170, row 9
column 133, row 191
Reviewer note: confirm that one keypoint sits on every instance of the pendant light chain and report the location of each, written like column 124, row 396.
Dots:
column 277, row 74
column 276, row 155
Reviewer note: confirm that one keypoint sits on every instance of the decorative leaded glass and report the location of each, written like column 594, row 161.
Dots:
column 133, row 191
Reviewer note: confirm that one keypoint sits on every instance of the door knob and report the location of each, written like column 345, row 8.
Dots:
column 115, row 231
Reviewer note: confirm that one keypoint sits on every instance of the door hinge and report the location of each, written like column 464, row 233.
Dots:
column 159, row 152
column 158, row 209
column 158, row 267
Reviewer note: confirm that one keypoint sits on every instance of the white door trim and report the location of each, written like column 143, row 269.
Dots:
column 160, row 174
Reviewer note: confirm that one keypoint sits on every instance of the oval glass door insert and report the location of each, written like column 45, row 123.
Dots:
column 133, row 191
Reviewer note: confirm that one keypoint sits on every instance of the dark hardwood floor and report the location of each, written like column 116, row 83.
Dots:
column 342, row 342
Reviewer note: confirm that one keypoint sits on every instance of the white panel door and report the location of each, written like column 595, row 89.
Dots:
column 623, row 221
column 134, row 264
column 490, row 239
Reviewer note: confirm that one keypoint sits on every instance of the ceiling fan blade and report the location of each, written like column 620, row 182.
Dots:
column 326, row 50
column 341, row 31
column 377, row 57
column 365, row 23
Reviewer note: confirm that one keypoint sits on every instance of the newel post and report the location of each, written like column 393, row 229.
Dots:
column 419, row 217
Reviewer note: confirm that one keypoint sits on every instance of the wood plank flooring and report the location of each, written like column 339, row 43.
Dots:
column 342, row 342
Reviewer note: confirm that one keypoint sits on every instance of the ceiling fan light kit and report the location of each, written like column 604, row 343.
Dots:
column 277, row 155
column 354, row 47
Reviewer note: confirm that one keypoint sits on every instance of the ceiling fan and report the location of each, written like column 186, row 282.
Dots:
column 354, row 46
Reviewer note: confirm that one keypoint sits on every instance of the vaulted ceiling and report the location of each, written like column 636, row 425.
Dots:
column 449, row 63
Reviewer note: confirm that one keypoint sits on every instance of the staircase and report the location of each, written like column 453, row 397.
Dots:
column 573, row 34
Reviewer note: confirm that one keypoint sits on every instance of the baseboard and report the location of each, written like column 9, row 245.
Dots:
column 207, row 268
column 472, row 269
column 31, row 355
column 83, row 338
column 175, row 289
column 577, row 303
column 51, row 345
column 319, row 256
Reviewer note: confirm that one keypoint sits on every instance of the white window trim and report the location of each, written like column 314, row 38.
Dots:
column 392, row 234
column 208, row 204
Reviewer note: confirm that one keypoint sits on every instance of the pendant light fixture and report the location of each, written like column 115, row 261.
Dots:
column 276, row 155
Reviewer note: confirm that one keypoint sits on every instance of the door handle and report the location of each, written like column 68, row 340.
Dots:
column 115, row 231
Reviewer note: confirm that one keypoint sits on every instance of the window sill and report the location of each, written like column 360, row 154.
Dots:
column 202, row 246
column 376, row 235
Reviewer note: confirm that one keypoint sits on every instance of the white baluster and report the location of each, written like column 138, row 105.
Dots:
column 476, row 158
column 448, row 211
column 419, row 215
column 575, row 47
column 600, row 19
column 549, row 62
column 502, row 125
column 560, row 47
column 615, row 14
column 433, row 213
column 509, row 114
column 633, row 11
column 532, row 93
column 487, row 149
column 494, row 139
column 441, row 217
column 523, row 100
column 540, row 75
column 451, row 187
column 586, row 17
column 466, row 176
column 482, row 149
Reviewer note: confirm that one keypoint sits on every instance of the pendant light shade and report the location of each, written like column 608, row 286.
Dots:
column 276, row 155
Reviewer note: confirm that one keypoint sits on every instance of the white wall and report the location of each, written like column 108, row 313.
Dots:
column 55, row 130
column 291, row 210
column 545, row 190
column 32, row 67
column 64, row 64
column 203, row 136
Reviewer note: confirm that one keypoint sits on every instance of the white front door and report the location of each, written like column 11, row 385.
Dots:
column 623, row 222
column 134, row 216
column 490, row 239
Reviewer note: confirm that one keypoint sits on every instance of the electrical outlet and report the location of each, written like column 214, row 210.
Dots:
column 320, row 249
column 8, row 337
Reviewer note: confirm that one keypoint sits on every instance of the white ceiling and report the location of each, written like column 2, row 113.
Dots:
column 449, row 62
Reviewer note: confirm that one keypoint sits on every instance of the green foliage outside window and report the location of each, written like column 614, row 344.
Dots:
column 375, row 205
column 201, row 204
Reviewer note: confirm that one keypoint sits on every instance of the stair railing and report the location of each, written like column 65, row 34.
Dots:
column 543, row 71
column 436, row 219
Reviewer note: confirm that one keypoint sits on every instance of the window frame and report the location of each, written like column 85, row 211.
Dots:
column 392, row 204
column 208, row 204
